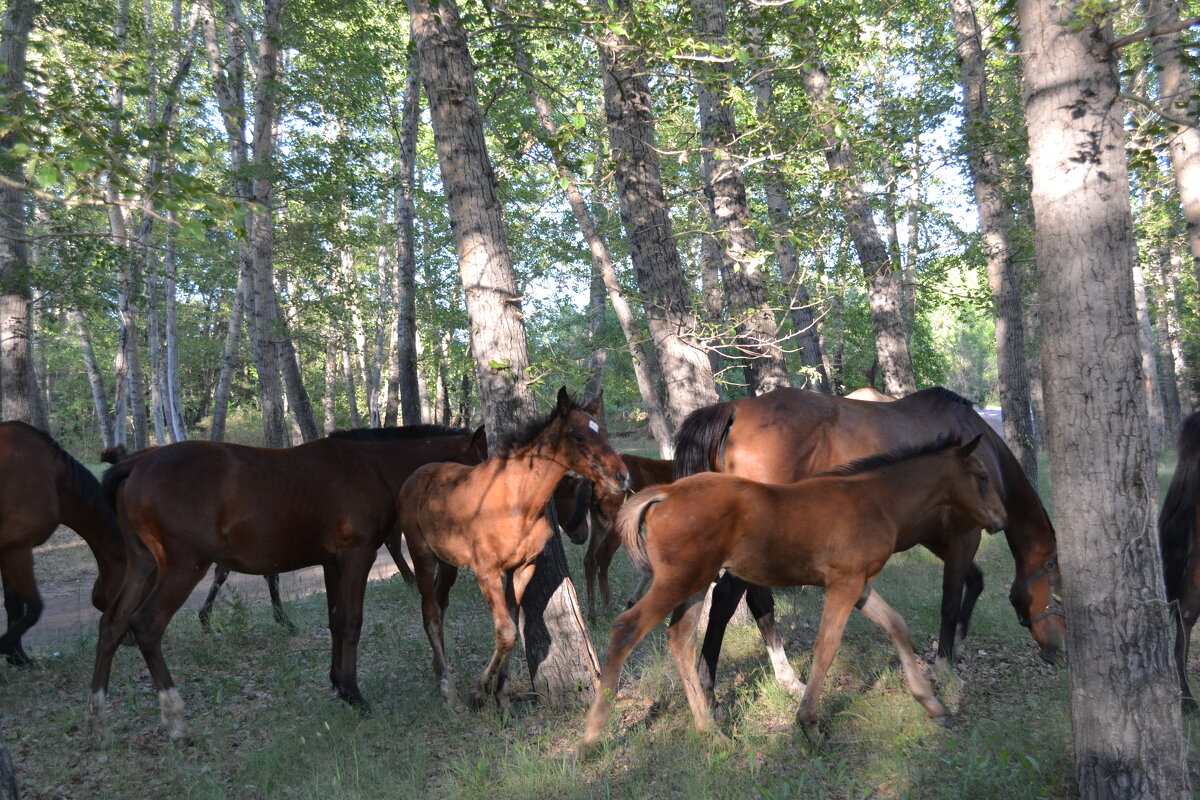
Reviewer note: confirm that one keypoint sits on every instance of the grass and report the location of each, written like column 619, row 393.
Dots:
column 265, row 723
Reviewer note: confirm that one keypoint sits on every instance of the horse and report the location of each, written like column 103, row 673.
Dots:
column 604, row 541
column 41, row 487
column 490, row 518
column 835, row 530
column 789, row 434
column 184, row 506
column 1177, row 531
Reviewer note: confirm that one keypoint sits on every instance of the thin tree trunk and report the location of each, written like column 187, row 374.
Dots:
column 646, row 216
column 741, row 269
column 1154, row 399
column 351, row 387
column 170, row 311
column 233, row 335
column 1169, row 279
column 886, row 302
column 1125, row 708
column 1162, row 296
column 330, row 419
column 557, row 647
column 995, row 222
column 95, row 377
column 406, row 262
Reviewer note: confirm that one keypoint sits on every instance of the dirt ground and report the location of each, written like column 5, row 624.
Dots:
column 65, row 572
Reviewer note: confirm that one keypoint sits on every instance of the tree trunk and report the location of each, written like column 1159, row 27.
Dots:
column 233, row 336
column 1154, row 398
column 351, row 384
column 557, row 647
column 330, row 419
column 1164, row 296
column 995, row 222
column 1177, row 95
column 171, row 316
column 1125, row 705
column 741, row 268
column 885, row 297
column 646, row 216
column 95, row 377
column 406, row 261
column 8, row 776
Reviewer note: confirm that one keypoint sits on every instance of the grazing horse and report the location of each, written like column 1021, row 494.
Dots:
column 257, row 510
column 1177, row 531
column 789, row 434
column 41, row 487
column 835, row 530
column 604, row 542
column 491, row 519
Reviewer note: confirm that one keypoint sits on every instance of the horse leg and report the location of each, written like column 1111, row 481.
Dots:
column 840, row 599
column 22, row 603
column 277, row 603
column 395, row 546
column 628, row 629
column 149, row 622
column 590, row 570
column 725, row 597
column 353, row 570
column 886, row 617
column 958, row 573
column 762, row 605
column 681, row 637
column 608, row 545
column 220, row 575
column 114, row 624
column 333, row 579
column 425, row 564
column 491, row 584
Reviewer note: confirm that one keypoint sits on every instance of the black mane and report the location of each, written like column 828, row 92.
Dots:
column 402, row 433
column 514, row 441
column 940, row 394
column 880, row 460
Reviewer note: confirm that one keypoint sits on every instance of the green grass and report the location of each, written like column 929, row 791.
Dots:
column 265, row 723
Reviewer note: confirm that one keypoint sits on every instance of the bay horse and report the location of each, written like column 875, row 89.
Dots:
column 789, row 434
column 491, row 518
column 43, row 486
column 604, row 541
column 835, row 530
column 329, row 502
column 1177, row 532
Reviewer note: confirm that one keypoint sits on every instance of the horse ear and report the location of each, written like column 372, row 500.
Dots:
column 562, row 406
column 970, row 446
column 479, row 443
column 595, row 406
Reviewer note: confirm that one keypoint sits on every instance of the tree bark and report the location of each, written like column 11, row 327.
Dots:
column 1125, row 705
column 995, row 222
column 885, row 296
column 330, row 420
column 233, row 335
column 557, row 646
column 646, row 216
column 1154, row 398
column 406, row 260
column 741, row 264
column 95, row 377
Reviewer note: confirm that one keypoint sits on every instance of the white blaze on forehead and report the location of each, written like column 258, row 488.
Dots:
column 592, row 424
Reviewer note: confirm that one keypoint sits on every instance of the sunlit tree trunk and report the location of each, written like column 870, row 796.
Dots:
column 327, row 402
column 557, row 647
column 94, row 375
column 1154, row 399
column 406, row 259
column 233, row 336
column 1125, row 705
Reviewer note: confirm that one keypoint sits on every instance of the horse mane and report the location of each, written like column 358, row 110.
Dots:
column 511, row 442
column 880, row 460
column 940, row 394
column 402, row 433
column 1177, row 522
column 700, row 437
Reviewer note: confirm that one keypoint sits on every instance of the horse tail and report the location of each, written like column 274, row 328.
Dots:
column 114, row 476
column 1177, row 522
column 583, row 504
column 701, row 439
column 629, row 524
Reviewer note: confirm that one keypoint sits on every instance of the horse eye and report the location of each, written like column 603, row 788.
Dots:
column 579, row 437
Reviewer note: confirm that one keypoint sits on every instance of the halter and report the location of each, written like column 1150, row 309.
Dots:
column 1053, row 606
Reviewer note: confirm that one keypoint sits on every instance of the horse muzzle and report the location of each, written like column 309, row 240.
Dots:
column 619, row 482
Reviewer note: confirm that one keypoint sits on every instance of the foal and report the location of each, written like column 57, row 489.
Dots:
column 835, row 530
column 491, row 519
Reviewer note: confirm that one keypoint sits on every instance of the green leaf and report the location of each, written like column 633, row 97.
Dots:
column 46, row 175
column 500, row 364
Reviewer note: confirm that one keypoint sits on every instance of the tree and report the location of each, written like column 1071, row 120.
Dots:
column 16, row 365
column 1124, row 699
column 558, row 650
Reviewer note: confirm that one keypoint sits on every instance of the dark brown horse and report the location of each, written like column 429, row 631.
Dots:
column 604, row 541
column 491, row 518
column 789, row 434
column 41, row 487
column 1177, row 532
column 184, row 506
column 835, row 530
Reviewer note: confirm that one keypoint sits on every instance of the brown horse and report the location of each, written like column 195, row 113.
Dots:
column 491, row 519
column 1177, row 532
column 187, row 505
column 604, row 541
column 835, row 530
column 789, row 434
column 41, row 487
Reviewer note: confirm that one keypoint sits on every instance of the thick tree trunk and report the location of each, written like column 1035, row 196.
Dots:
column 995, row 222
column 646, row 216
column 557, row 646
column 884, row 296
column 741, row 269
column 604, row 277
column 1177, row 95
column 1125, row 705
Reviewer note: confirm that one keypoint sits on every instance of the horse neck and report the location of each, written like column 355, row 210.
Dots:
column 907, row 490
column 1029, row 532
column 88, row 515
column 537, row 469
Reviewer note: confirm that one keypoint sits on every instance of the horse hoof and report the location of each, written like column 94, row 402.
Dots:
column 795, row 688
